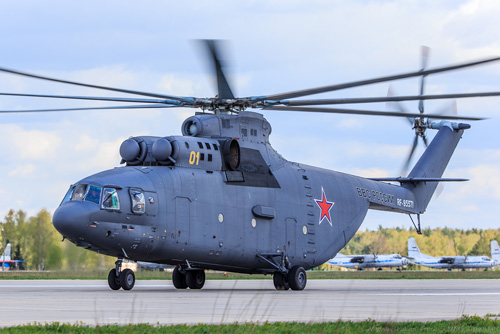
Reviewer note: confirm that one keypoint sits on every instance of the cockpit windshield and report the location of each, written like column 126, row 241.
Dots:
column 84, row 192
column 78, row 193
column 93, row 194
column 68, row 195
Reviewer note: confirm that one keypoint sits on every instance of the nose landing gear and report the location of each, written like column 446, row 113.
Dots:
column 118, row 278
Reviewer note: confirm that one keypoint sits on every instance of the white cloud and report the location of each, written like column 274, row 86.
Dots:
column 24, row 171
column 28, row 144
column 371, row 172
column 174, row 85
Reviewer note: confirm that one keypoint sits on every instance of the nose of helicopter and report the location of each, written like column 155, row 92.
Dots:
column 72, row 218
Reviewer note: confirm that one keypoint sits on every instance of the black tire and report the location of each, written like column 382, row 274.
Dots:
column 179, row 279
column 195, row 279
column 113, row 280
column 280, row 281
column 297, row 278
column 127, row 279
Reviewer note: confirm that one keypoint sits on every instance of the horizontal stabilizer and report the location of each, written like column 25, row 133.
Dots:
column 416, row 179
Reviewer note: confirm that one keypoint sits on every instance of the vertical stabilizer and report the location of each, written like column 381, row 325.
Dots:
column 6, row 254
column 413, row 250
column 433, row 163
column 495, row 251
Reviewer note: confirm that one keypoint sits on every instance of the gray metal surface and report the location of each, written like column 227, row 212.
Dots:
column 91, row 301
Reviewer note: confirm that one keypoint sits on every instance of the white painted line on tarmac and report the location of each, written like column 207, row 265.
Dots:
column 74, row 286
column 440, row 294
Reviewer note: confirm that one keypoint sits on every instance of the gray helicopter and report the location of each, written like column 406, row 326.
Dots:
column 220, row 197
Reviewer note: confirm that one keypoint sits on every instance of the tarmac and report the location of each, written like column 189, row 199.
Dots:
column 91, row 302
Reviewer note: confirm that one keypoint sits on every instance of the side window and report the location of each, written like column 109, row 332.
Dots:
column 80, row 191
column 94, row 195
column 110, row 200
column 138, row 201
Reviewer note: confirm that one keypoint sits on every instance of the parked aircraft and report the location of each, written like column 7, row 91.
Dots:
column 5, row 260
column 361, row 262
column 453, row 262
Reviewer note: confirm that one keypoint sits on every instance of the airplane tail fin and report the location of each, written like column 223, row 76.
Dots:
column 433, row 162
column 413, row 250
column 6, row 254
column 495, row 251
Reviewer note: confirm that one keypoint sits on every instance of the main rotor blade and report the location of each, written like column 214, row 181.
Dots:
column 95, row 98
column 223, row 87
column 385, row 99
column 325, row 89
column 370, row 112
column 144, row 106
column 177, row 98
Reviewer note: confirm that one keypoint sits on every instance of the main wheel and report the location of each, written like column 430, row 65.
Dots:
column 195, row 279
column 127, row 279
column 179, row 279
column 113, row 280
column 280, row 281
column 297, row 278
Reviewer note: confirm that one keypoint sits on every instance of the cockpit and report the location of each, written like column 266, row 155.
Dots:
column 108, row 198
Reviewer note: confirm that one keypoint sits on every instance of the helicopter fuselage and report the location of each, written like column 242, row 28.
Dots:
column 220, row 197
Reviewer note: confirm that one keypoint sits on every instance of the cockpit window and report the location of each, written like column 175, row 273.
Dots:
column 138, row 201
column 68, row 195
column 93, row 194
column 110, row 199
column 79, row 192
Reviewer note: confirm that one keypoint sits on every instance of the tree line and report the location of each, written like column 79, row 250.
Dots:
column 36, row 241
column 436, row 242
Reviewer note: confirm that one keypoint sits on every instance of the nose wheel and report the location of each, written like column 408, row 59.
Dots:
column 118, row 278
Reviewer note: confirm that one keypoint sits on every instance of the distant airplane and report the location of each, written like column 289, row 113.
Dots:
column 5, row 260
column 361, row 262
column 453, row 262
column 151, row 265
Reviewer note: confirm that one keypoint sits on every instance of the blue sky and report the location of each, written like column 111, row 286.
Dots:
column 273, row 47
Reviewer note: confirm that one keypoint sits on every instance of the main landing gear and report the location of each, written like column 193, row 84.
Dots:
column 295, row 279
column 118, row 278
column 188, row 278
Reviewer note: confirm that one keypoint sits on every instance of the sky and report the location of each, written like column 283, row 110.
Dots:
column 271, row 47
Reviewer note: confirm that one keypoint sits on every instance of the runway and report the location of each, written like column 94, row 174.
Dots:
column 227, row 301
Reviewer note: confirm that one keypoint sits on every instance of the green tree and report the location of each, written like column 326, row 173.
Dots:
column 42, row 234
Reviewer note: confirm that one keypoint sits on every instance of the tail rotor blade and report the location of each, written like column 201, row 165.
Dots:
column 407, row 163
column 399, row 106
column 424, row 138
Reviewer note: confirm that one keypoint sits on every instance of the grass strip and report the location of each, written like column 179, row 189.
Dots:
column 466, row 324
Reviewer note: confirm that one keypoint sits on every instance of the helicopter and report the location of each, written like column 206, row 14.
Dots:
column 220, row 197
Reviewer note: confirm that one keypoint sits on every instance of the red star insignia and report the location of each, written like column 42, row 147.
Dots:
column 325, row 207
